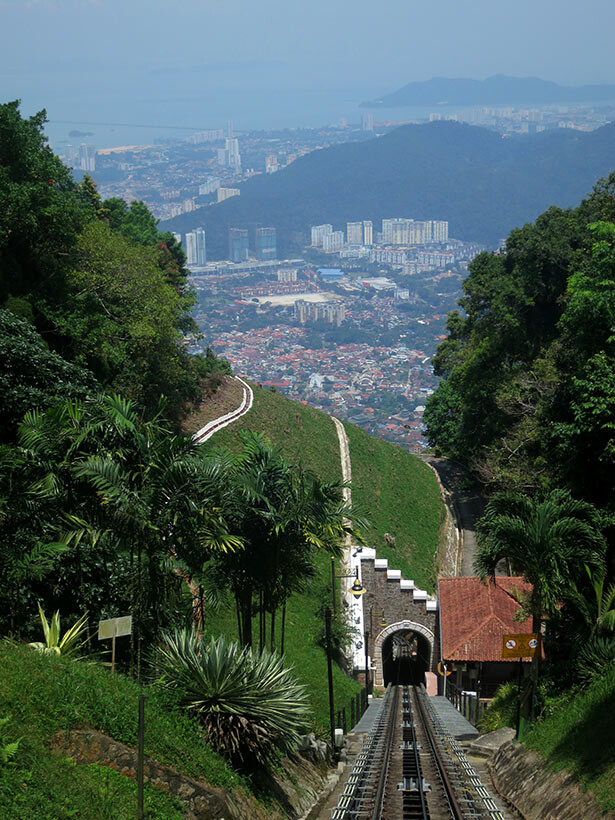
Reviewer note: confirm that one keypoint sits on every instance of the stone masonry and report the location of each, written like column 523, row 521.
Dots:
column 404, row 606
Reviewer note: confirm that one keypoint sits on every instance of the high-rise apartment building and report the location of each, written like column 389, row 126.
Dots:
column 201, row 247
column 190, row 248
column 87, row 157
column 332, row 242
column 318, row 234
column 266, row 244
column 227, row 193
column 367, row 121
column 210, row 185
column 354, row 233
column 238, row 247
column 439, row 231
column 368, row 232
column 196, row 250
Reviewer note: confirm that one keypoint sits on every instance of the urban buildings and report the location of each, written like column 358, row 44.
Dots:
column 266, row 244
column 84, row 160
column 196, row 253
column 210, row 185
column 400, row 231
column 333, row 313
column 333, row 242
column 318, row 234
column 238, row 247
column 354, row 233
column 227, row 193
column 368, row 232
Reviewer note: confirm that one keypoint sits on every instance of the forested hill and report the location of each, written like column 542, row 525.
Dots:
column 492, row 91
column 484, row 184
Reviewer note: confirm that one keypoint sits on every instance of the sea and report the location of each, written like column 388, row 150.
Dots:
column 146, row 114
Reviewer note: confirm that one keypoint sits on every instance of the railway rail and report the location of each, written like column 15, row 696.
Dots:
column 409, row 768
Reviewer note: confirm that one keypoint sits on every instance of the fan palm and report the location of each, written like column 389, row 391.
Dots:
column 547, row 538
column 247, row 703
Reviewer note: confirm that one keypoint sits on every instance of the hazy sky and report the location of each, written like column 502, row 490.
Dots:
column 65, row 50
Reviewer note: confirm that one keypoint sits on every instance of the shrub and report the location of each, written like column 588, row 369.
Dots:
column 248, row 704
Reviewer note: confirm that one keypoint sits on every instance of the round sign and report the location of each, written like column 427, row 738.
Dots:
column 511, row 643
column 533, row 643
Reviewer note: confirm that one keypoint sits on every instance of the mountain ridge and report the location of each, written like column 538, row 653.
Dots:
column 498, row 89
column 481, row 182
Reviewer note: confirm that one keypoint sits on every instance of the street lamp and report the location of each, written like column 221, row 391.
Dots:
column 356, row 590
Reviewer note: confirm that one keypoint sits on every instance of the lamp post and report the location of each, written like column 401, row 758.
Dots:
column 356, row 590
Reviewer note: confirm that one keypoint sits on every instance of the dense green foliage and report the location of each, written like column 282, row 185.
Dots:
column 283, row 514
column 104, row 289
column 526, row 404
column 576, row 734
column 46, row 694
column 46, row 378
column 482, row 183
column 104, row 499
column 527, row 395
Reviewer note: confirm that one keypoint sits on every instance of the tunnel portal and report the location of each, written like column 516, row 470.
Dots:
column 405, row 658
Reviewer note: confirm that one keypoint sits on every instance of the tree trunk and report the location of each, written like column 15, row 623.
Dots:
column 283, row 631
column 272, row 644
column 238, row 611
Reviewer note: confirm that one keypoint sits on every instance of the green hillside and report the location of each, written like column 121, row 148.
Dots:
column 577, row 736
column 396, row 491
column 41, row 695
column 403, row 499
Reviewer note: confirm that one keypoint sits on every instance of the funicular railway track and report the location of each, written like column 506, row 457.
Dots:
column 409, row 768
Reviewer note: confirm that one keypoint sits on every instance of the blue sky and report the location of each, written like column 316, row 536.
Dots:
column 61, row 51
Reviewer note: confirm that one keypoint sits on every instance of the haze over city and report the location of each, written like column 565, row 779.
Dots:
column 273, row 64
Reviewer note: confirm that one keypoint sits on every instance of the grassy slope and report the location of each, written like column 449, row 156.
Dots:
column 401, row 496
column 45, row 694
column 306, row 435
column 578, row 737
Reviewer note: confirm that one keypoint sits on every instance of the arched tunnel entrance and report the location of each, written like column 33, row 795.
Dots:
column 405, row 657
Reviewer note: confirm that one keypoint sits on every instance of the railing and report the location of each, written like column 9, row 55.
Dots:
column 468, row 703
column 358, row 705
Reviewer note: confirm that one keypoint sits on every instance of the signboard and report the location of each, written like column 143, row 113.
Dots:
column 114, row 627
column 525, row 645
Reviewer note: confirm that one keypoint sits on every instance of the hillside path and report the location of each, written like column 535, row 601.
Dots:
column 346, row 477
column 247, row 398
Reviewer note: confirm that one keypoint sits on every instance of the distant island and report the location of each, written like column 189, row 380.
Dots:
column 495, row 90
column 75, row 133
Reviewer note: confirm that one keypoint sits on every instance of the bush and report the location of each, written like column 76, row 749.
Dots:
column 249, row 705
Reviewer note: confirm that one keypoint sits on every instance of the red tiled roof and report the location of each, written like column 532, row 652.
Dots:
column 474, row 616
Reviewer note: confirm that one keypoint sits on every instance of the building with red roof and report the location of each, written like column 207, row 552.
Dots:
column 474, row 617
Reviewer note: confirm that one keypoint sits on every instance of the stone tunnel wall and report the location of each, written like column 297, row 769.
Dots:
column 404, row 606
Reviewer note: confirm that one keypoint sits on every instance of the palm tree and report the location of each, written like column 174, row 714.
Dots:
column 284, row 513
column 129, row 494
column 548, row 538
